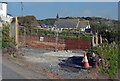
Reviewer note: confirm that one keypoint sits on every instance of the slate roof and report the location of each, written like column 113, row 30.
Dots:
column 70, row 23
column 66, row 23
column 83, row 24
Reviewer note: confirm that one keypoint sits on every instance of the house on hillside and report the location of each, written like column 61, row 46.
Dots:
column 48, row 27
column 6, row 18
column 62, row 24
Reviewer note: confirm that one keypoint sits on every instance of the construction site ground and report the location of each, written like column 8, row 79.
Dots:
column 57, row 65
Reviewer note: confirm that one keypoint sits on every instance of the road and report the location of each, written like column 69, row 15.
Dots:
column 11, row 70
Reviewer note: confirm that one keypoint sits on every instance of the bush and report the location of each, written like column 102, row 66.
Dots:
column 6, row 38
column 109, row 52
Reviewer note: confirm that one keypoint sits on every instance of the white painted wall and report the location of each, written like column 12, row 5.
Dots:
column 6, row 19
column 88, row 27
column 3, row 9
column 3, row 13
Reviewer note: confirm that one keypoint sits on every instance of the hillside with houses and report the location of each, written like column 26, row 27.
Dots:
column 76, row 24
column 59, row 48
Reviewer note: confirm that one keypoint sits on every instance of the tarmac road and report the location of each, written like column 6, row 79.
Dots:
column 11, row 70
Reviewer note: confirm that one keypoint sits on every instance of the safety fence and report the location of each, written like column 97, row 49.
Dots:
column 50, row 43
column 35, row 37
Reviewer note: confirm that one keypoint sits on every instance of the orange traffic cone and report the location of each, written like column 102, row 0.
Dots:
column 86, row 64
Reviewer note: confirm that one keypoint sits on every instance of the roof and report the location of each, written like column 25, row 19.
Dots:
column 70, row 23
column 4, row 2
column 66, row 23
column 83, row 24
column 9, row 14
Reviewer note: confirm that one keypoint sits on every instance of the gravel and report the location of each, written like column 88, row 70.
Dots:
column 50, row 60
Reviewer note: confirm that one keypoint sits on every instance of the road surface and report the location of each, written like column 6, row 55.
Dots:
column 11, row 70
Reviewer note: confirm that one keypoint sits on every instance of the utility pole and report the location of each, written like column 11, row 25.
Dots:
column 24, row 27
column 56, row 48
column 22, row 8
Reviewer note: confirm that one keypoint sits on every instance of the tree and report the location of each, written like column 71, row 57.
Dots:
column 94, row 27
column 29, row 20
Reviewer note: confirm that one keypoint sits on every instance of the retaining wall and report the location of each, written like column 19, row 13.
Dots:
column 70, row 44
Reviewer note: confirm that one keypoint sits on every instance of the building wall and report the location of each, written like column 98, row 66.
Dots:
column 3, row 13
column 3, row 9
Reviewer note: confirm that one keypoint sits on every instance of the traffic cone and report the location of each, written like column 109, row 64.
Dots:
column 86, row 64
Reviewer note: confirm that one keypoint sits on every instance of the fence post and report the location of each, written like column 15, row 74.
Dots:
column 96, row 38
column 16, row 34
column 100, row 39
column 24, row 36
column 10, row 28
column 93, row 41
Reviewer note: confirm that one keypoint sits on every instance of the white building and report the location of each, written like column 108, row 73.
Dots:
column 3, row 9
column 3, row 12
column 72, row 24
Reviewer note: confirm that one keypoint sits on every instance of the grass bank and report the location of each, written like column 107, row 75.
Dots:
column 108, row 52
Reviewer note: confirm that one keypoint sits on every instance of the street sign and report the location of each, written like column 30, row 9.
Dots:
column 41, row 38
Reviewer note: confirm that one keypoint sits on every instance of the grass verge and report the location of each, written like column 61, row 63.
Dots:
column 109, row 52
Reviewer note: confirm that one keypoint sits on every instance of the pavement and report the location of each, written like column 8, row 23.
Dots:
column 11, row 70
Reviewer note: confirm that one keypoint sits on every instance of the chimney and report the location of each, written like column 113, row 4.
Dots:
column 57, row 17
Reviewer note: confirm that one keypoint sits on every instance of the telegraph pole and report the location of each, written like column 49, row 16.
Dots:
column 56, row 48
column 24, row 26
column 22, row 8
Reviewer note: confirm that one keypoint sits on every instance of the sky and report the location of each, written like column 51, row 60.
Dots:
column 60, row 0
column 43, row 10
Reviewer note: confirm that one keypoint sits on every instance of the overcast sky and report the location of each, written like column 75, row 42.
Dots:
column 42, row 10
